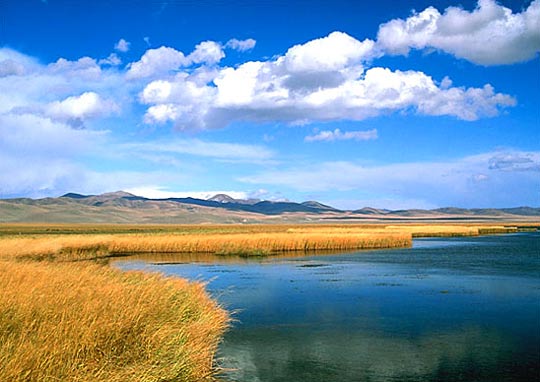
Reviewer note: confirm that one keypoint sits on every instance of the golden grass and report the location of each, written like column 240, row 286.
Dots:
column 451, row 230
column 82, row 322
column 420, row 230
column 86, row 322
column 65, row 243
column 81, row 247
column 25, row 229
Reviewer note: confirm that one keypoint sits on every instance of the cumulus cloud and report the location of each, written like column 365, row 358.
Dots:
column 122, row 45
column 322, row 80
column 165, row 60
column 13, row 63
column 85, row 68
column 334, row 52
column 112, row 60
column 325, row 79
column 11, row 67
column 338, row 135
column 42, row 108
column 241, row 45
column 209, row 52
column 156, row 61
column 86, row 105
column 67, row 91
column 491, row 34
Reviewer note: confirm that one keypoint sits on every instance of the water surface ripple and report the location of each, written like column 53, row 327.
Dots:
column 460, row 309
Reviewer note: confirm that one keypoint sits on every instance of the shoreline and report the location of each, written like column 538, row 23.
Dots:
column 61, row 309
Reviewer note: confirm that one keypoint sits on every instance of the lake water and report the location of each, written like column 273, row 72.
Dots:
column 460, row 309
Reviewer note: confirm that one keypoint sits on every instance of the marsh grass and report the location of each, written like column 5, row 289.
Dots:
column 63, row 318
column 87, row 322
column 450, row 230
column 42, row 243
column 84, row 247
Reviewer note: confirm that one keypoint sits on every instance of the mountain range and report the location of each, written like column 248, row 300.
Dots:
column 123, row 207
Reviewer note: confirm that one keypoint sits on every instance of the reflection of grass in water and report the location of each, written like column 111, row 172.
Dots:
column 389, row 284
column 337, row 356
column 312, row 265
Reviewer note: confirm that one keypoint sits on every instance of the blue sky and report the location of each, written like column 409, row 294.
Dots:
column 419, row 104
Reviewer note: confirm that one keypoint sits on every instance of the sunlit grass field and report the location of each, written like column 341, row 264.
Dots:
column 67, row 316
column 82, row 242
column 89, row 322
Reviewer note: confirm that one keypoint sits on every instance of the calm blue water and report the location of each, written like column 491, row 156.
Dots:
column 461, row 309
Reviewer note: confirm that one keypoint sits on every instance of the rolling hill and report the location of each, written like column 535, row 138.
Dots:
column 123, row 207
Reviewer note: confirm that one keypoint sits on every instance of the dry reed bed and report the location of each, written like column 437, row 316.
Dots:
column 244, row 240
column 451, row 230
column 265, row 243
column 425, row 230
column 80, row 247
column 86, row 322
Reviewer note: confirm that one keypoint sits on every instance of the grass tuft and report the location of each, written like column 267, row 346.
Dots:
column 88, row 322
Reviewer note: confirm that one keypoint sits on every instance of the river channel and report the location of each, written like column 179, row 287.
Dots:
column 458, row 309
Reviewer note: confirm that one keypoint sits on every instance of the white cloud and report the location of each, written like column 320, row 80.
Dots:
column 39, row 108
column 15, row 63
column 155, row 62
column 334, row 52
column 183, row 100
column 161, row 113
column 42, row 157
column 241, row 45
column 30, row 134
column 269, row 92
column 11, row 67
column 156, row 91
column 338, row 135
column 209, row 52
column 218, row 150
column 67, row 91
column 490, row 179
column 165, row 60
column 489, row 35
column 321, row 80
column 122, row 45
column 37, row 154
column 86, row 105
column 515, row 161
column 84, row 68
column 112, row 60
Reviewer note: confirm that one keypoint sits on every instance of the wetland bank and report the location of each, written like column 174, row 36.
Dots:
column 451, row 308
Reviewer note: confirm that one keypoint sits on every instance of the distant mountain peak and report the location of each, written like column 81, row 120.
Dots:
column 117, row 194
column 318, row 205
column 372, row 211
column 74, row 195
column 222, row 198
column 107, row 195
